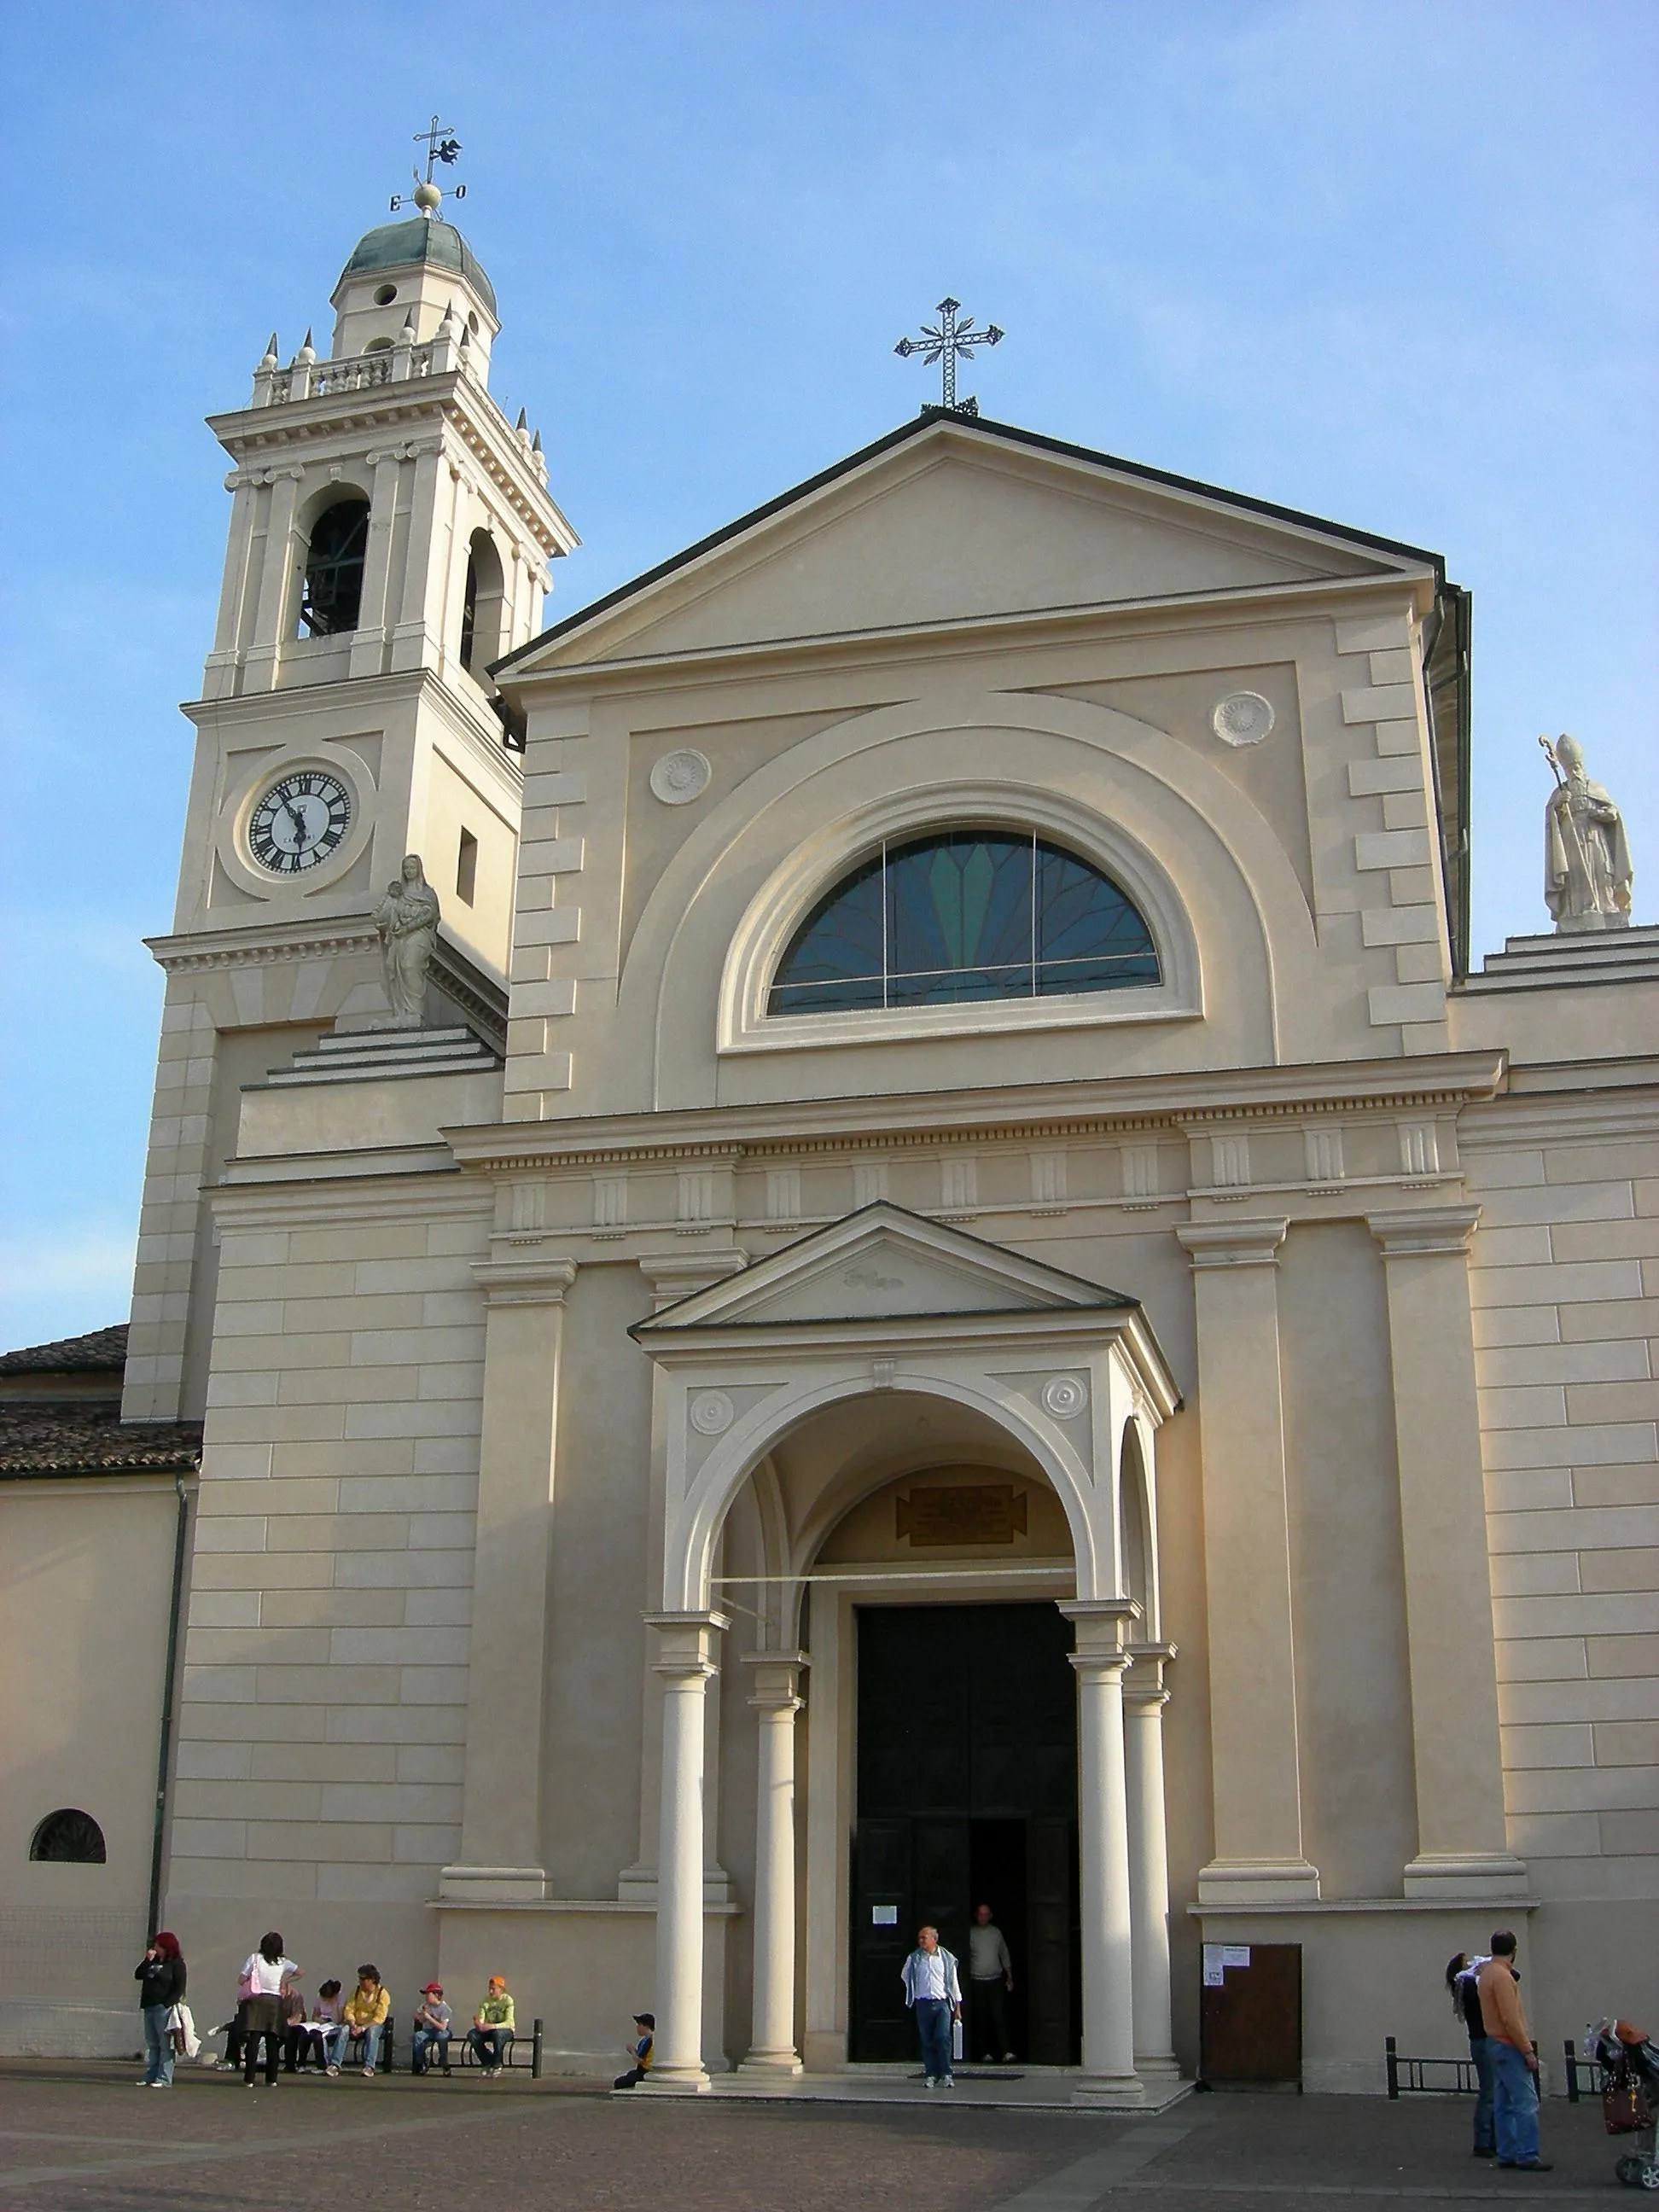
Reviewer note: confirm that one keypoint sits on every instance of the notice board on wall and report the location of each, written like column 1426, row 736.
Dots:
column 1250, row 2015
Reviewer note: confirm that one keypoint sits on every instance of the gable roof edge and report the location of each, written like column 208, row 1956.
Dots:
column 982, row 425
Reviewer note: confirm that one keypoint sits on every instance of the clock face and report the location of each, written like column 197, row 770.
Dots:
column 298, row 823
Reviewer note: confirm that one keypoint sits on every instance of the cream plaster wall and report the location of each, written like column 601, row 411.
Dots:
column 85, row 1578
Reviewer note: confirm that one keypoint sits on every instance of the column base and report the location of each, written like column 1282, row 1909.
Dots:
column 1475, row 1875
column 772, row 2065
column 674, row 2082
column 486, row 1885
column 1155, row 2067
column 1121, row 2092
column 1243, row 1883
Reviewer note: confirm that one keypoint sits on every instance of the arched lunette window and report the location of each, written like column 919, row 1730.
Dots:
column 68, row 1835
column 334, row 569
column 965, row 915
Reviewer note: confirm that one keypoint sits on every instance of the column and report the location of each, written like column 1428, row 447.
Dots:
column 772, row 2030
column 1462, row 1844
column 686, row 1664
column 1143, row 1699
column 1255, row 1760
column 1109, row 2059
column 426, row 543
column 501, row 1811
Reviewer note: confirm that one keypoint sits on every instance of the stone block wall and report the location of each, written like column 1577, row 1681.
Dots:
column 324, row 1693
column 1565, row 1285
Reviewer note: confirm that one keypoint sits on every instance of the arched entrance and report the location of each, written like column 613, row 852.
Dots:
column 864, row 1323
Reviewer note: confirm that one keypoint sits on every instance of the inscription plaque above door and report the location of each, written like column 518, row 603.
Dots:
column 979, row 1513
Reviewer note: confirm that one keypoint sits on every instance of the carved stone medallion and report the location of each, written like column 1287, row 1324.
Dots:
column 712, row 1412
column 1242, row 717
column 678, row 778
column 1065, row 1396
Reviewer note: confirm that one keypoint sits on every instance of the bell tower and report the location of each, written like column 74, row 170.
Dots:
column 390, row 535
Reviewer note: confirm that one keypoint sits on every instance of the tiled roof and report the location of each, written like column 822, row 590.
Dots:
column 91, row 1438
column 104, row 1348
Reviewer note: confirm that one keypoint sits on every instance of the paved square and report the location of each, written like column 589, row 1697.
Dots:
column 82, row 2137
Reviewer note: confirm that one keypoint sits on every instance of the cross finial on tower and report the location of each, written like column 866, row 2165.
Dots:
column 441, row 145
column 942, row 343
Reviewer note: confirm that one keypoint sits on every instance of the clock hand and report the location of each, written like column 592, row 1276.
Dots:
column 302, row 827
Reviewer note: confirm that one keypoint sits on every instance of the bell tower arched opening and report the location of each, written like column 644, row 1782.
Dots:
column 332, row 593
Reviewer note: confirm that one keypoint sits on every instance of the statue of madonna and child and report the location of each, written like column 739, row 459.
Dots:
column 407, row 921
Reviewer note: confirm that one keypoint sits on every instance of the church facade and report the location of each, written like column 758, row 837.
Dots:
column 959, row 1294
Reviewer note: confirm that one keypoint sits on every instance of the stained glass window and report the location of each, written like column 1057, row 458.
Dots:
column 971, row 915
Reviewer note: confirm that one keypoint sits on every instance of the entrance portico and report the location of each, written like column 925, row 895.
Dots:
column 1070, row 1380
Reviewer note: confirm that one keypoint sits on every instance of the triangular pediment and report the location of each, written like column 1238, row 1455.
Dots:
column 952, row 521
column 883, row 1263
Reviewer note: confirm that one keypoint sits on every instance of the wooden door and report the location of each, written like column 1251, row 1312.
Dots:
column 1250, row 2022
column 1051, row 2016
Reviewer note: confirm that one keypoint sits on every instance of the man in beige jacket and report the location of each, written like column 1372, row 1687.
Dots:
column 1515, row 2068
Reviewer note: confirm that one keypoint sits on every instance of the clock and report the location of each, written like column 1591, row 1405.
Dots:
column 300, row 822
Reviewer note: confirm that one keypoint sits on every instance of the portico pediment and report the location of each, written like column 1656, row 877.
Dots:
column 883, row 1263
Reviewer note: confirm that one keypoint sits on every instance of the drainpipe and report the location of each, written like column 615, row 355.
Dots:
column 165, row 1759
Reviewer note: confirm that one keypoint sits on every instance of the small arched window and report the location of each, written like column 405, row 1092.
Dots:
column 968, row 914
column 334, row 569
column 482, row 605
column 69, row 1835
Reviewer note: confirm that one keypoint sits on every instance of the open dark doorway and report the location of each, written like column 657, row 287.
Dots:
column 967, row 1793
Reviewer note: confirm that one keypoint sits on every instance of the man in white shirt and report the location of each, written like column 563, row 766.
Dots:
column 934, row 1992
column 991, row 1975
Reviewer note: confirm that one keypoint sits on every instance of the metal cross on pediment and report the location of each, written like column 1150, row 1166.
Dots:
column 942, row 343
column 441, row 145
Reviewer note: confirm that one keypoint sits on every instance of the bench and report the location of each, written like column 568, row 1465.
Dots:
column 524, row 2052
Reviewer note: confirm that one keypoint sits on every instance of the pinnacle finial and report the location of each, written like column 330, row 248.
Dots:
column 535, row 443
column 447, row 327
column 271, row 359
column 522, row 426
column 306, row 356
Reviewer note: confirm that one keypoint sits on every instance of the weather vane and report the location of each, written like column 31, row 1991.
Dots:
column 441, row 145
column 943, row 344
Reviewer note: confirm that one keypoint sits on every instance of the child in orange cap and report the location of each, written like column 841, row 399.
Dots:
column 491, row 2032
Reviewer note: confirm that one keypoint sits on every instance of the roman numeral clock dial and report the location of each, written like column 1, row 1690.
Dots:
column 298, row 823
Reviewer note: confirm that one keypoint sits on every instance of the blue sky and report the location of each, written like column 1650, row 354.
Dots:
column 1390, row 262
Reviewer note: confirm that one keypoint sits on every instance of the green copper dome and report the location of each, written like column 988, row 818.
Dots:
column 395, row 244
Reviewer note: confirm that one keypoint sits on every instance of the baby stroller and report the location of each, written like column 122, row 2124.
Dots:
column 1630, row 2089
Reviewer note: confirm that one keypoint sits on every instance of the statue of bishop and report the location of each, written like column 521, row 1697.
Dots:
column 1587, row 869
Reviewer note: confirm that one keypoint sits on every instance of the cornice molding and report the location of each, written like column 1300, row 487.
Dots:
column 1037, row 625
column 1446, row 1083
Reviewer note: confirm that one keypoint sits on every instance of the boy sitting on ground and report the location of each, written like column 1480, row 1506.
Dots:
column 639, row 2051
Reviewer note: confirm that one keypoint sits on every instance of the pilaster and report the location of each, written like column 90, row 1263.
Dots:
column 500, row 1820
column 1255, row 1755
column 1462, row 1844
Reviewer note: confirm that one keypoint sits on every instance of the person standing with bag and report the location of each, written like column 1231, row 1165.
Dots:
column 264, row 2009
column 161, row 1976
column 934, row 1992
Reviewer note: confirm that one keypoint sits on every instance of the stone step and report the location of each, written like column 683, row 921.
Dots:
column 375, row 1055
